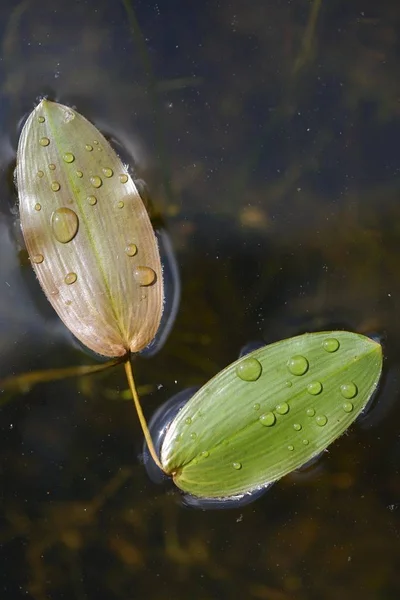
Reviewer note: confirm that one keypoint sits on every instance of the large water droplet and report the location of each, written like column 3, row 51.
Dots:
column 65, row 223
column 310, row 412
column 237, row 466
column 268, row 419
column 96, row 181
column 131, row 249
column 108, row 172
column 123, row 178
column 314, row 388
column 249, row 369
column 38, row 258
column 38, row 206
column 144, row 275
column 44, row 141
column 70, row 278
column 330, row 344
column 282, row 408
column 69, row 157
column 348, row 407
column 321, row 420
column 348, row 390
column 55, row 186
column 297, row 365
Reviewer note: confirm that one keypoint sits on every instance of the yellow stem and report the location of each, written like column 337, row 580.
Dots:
column 143, row 423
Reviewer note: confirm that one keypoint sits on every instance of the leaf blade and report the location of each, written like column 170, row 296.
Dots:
column 234, row 452
column 105, row 306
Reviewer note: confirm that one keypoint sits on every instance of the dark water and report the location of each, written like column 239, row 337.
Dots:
column 268, row 135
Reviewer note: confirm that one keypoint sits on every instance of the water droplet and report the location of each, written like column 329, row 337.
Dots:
column 306, row 442
column 55, row 186
column 348, row 390
column 314, row 388
column 79, row 174
column 188, row 420
column 348, row 407
column 256, row 406
column 288, row 384
column 65, row 223
column 95, row 142
column 123, row 178
column 193, row 435
column 310, row 412
column 297, row 365
column 120, row 204
column 70, row 278
column 131, row 249
column 237, row 466
column 69, row 157
column 38, row 258
column 321, row 420
column 249, row 369
column 108, row 172
column 96, row 181
column 88, row 147
column 291, row 448
column 205, row 454
column 40, row 173
column 92, row 200
column 38, row 206
column 144, row 275
column 268, row 419
column 44, row 141
column 52, row 167
column 330, row 344
column 282, row 408
column 41, row 119
column 297, row 426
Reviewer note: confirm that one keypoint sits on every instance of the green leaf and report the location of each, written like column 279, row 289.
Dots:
column 87, row 232
column 270, row 412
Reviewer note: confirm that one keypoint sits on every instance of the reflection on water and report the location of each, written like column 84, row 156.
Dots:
column 268, row 135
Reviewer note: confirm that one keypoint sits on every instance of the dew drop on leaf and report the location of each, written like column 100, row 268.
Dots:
column 297, row 365
column 65, row 223
column 348, row 390
column 249, row 369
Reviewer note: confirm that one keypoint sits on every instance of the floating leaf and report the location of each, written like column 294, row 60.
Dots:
column 270, row 412
column 87, row 232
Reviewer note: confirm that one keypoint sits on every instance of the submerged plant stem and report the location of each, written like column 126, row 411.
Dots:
column 142, row 420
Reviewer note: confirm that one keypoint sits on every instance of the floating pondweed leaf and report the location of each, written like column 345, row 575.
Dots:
column 115, row 303
column 247, row 450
